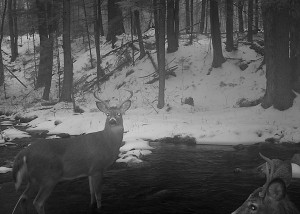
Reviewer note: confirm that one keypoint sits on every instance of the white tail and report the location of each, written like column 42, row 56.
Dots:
column 272, row 197
column 47, row 162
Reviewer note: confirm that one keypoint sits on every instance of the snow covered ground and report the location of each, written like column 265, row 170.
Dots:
column 215, row 117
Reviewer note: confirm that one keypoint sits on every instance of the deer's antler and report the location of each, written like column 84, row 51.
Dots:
column 269, row 174
column 131, row 94
column 96, row 96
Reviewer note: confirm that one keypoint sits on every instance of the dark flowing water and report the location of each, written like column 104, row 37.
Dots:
column 174, row 179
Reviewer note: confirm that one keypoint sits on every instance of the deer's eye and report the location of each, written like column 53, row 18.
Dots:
column 107, row 114
column 118, row 114
column 252, row 207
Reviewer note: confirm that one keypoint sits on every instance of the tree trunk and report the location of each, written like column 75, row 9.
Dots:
column 1, row 38
column 48, row 73
column 100, row 72
column 139, row 33
column 202, row 21
column 176, row 17
column 100, row 18
column 229, row 25
column 187, row 16
column 12, row 33
column 218, row 58
column 192, row 21
column 88, row 33
column 47, row 24
column 132, row 32
column 240, row 15
column 256, row 17
column 67, row 88
column 52, row 22
column 161, row 50
column 278, row 72
column 44, row 42
column 15, row 21
column 295, row 44
column 172, row 45
column 115, row 22
column 206, row 17
column 245, row 14
column 1, row 69
column 132, row 23
column 156, row 25
column 250, row 21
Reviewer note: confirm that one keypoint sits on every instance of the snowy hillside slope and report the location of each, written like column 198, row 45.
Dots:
column 215, row 118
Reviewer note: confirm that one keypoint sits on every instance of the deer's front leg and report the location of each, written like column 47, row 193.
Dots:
column 92, row 192
column 95, row 182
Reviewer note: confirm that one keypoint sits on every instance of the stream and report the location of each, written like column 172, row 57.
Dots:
column 175, row 178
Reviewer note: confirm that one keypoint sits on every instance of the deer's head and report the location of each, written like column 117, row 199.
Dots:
column 271, row 198
column 114, row 113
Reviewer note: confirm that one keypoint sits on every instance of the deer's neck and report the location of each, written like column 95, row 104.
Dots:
column 114, row 135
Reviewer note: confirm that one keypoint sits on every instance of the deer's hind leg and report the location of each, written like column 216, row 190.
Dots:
column 42, row 195
column 25, row 196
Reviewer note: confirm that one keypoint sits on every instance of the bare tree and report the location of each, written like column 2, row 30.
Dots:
column 171, row 36
column 13, row 29
column 100, row 72
column 133, row 7
column 278, row 71
column 139, row 33
column 240, row 15
column 187, row 16
column 88, row 33
column 192, row 22
column 256, row 17
column 67, row 87
column 1, row 38
column 250, row 21
column 161, row 7
column 202, row 20
column 115, row 21
column 47, row 24
column 100, row 22
column 229, row 25
column 53, row 22
column 218, row 58
column 295, row 44
column 156, row 24
column 176, row 17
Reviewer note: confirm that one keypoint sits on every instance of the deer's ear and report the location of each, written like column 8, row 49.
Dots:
column 125, row 106
column 277, row 189
column 102, row 106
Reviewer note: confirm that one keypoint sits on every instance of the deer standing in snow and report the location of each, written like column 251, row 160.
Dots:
column 49, row 161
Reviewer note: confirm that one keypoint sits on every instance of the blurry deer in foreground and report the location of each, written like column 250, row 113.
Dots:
column 47, row 162
column 272, row 197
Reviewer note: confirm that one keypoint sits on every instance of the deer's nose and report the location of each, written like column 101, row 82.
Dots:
column 112, row 121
